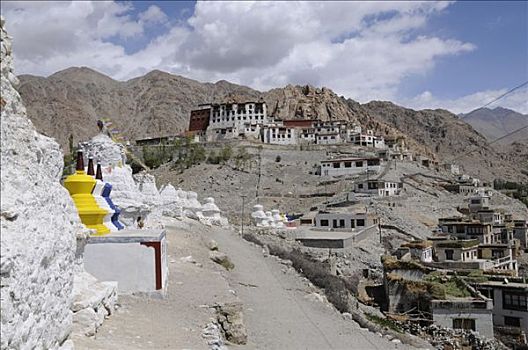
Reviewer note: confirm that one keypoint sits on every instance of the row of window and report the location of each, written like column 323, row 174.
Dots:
column 340, row 223
column 233, row 112
column 357, row 164
column 227, row 119
column 469, row 323
column 273, row 136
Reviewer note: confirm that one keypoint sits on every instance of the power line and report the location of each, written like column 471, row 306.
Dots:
column 504, row 136
column 491, row 142
column 504, row 94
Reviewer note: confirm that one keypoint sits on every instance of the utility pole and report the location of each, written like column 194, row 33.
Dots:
column 242, row 218
column 379, row 229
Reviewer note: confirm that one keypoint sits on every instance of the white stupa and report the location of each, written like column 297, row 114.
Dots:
column 259, row 217
column 172, row 203
column 192, row 207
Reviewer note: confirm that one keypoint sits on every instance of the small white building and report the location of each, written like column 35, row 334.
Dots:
column 478, row 202
column 471, row 313
column 350, row 166
column 328, row 138
column 382, row 188
column 344, row 220
column 367, row 140
column 419, row 250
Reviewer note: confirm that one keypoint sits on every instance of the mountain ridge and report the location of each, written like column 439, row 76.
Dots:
column 69, row 102
column 498, row 122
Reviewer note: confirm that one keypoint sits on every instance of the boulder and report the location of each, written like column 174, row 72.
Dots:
column 221, row 259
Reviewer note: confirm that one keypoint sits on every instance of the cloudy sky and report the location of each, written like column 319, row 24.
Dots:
column 454, row 55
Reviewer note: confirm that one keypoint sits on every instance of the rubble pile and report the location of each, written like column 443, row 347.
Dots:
column 231, row 320
column 93, row 301
column 444, row 338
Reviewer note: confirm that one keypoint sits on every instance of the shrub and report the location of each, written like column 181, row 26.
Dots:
column 213, row 158
column 226, row 153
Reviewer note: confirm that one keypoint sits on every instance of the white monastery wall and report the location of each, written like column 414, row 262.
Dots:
column 39, row 224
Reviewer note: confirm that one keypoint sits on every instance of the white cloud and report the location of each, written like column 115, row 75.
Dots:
column 153, row 15
column 361, row 50
column 517, row 100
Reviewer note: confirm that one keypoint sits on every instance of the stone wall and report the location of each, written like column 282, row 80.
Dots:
column 39, row 225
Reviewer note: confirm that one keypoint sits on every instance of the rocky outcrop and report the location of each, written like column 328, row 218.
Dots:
column 307, row 102
column 230, row 318
column 93, row 301
column 39, row 225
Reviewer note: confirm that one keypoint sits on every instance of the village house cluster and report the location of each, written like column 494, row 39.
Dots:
column 476, row 255
column 250, row 120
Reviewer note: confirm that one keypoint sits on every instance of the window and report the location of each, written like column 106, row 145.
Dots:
column 360, row 186
column 514, row 300
column 337, row 165
column 324, row 222
column 359, row 164
column 464, row 323
column 348, row 164
column 352, row 223
column 360, row 222
column 449, row 254
column 341, row 222
column 512, row 321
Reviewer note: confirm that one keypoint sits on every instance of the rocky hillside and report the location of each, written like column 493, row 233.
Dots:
column 449, row 137
column 70, row 101
column 497, row 122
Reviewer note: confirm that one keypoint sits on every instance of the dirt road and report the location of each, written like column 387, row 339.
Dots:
column 281, row 310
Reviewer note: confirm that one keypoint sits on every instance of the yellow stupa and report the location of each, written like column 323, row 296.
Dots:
column 80, row 186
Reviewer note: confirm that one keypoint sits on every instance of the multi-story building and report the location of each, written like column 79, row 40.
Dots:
column 520, row 232
column 233, row 120
column 510, row 304
column 465, row 228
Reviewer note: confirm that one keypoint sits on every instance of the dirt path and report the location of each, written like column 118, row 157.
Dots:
column 281, row 313
column 280, row 309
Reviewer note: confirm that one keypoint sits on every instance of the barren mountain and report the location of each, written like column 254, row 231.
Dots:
column 497, row 122
column 449, row 137
column 69, row 102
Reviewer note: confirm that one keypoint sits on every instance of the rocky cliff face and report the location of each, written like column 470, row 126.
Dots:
column 39, row 226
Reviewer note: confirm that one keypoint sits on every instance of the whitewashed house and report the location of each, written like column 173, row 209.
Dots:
column 279, row 135
column 350, row 166
column 379, row 187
